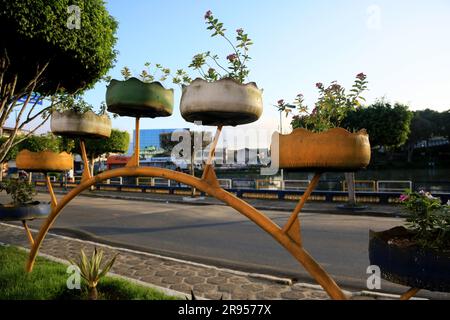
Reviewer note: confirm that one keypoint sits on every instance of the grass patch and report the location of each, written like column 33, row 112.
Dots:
column 48, row 282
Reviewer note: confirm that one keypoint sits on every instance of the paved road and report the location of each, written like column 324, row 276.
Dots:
column 218, row 235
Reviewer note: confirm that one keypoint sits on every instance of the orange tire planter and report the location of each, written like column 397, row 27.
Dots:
column 333, row 150
column 44, row 161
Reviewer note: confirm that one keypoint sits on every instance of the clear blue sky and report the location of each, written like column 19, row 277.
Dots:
column 402, row 45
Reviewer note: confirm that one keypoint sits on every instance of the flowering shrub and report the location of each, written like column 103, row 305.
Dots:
column 210, row 67
column 428, row 218
column 329, row 111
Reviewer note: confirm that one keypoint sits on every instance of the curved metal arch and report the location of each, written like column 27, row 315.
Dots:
column 209, row 185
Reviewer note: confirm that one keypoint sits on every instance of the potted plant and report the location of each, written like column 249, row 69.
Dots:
column 418, row 255
column 317, row 142
column 22, row 206
column 44, row 161
column 44, row 153
column 140, row 98
column 221, row 97
column 77, row 119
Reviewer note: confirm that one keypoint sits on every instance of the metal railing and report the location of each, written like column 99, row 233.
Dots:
column 226, row 183
column 296, row 185
column 362, row 185
column 268, row 184
column 386, row 185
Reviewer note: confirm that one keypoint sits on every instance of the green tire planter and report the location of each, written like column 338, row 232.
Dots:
column 134, row 98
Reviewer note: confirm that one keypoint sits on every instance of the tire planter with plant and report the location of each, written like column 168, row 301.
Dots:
column 136, row 98
column 224, row 102
column 407, row 264
column 44, row 161
column 29, row 211
column 334, row 150
column 73, row 124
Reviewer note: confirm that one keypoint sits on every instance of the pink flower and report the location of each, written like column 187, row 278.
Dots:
column 404, row 198
column 232, row 57
column 240, row 31
column 208, row 14
column 361, row 76
column 281, row 102
column 319, row 85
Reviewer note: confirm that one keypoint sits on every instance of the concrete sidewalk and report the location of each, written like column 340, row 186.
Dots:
column 260, row 204
column 178, row 277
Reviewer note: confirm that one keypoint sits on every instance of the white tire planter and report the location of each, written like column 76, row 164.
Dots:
column 224, row 102
column 72, row 124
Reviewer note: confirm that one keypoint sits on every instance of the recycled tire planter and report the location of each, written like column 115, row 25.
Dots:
column 44, row 161
column 334, row 150
column 134, row 98
column 410, row 266
column 88, row 125
column 34, row 210
column 225, row 102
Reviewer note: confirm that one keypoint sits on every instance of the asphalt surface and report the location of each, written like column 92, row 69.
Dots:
column 218, row 235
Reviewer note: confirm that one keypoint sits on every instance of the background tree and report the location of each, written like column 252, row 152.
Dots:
column 423, row 127
column 167, row 144
column 388, row 125
column 40, row 54
column 118, row 142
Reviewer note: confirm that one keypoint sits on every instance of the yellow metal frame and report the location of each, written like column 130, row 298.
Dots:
column 288, row 236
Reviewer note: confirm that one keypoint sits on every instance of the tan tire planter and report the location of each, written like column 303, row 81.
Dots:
column 88, row 125
column 45, row 161
column 333, row 150
column 224, row 102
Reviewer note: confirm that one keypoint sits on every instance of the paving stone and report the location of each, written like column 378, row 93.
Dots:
column 253, row 287
column 164, row 273
column 204, row 287
column 241, row 296
column 152, row 279
column 194, row 280
column 215, row 296
column 293, row 295
column 172, row 280
column 238, row 280
column 217, row 280
column 141, row 273
column 227, row 287
column 181, row 287
column 206, row 273
column 185, row 273
column 267, row 295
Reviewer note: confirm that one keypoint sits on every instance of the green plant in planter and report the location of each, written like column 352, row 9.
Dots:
column 92, row 270
column 79, row 105
column 329, row 112
column 21, row 191
column 209, row 66
column 331, row 108
column 147, row 75
column 428, row 219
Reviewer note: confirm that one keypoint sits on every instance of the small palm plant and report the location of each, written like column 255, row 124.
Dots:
column 91, row 270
